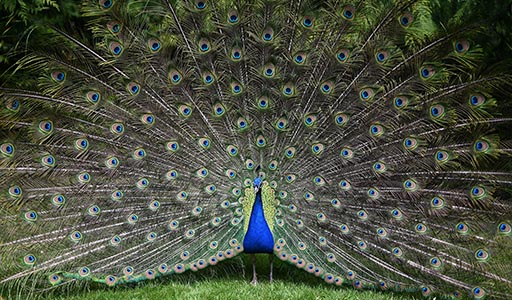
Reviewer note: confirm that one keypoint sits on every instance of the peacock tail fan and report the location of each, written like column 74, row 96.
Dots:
column 380, row 128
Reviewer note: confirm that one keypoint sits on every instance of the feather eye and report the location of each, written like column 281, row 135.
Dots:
column 204, row 46
column 410, row 143
column 117, row 195
column 288, row 89
column 426, row 291
column 410, row 185
column 437, row 202
column 200, row 4
column 341, row 119
column 233, row 17
column 171, row 175
column 54, row 279
column 437, row 111
column 420, row 228
column 76, row 236
column 106, row 4
column 317, row 148
column 208, row 78
column 117, row 128
column 481, row 255
column 84, row 177
column 236, row 54
column 307, row 22
column 115, row 48
column 481, row 146
column 111, row 162
column 236, row 88
column 426, row 72
column 142, row 183
column 30, row 216
column 290, row 178
column 476, row 100
column 366, row 94
column 45, row 127
column 93, row 97
column 376, row 130
column 261, row 141
column 204, row 143
column 281, row 124
column 289, row 152
column 397, row 252
column 373, row 193
column 504, row 228
column 379, row 167
column 13, row 105
column 381, row 56
column 310, row 120
column 347, row 153
column 397, row 214
column 58, row 76
column 442, row 156
column 327, row 87
column 267, row 35
column 342, row 55
column 348, row 12
column 139, row 153
column 462, row 228
column 405, row 19
column 478, row 293
column 461, row 46
column 269, row 70
column 345, row 185
column 154, row 45
column 81, row 144
column 172, row 146
column 133, row 88
column 48, row 161
column 400, row 102
column 7, row 149
column 478, row 192
column 242, row 124
column 300, row 58
column 219, row 109
column 114, row 27
column 272, row 166
column 175, row 77
column 185, row 110
column 263, row 103
column 230, row 173
column 148, row 119
column 29, row 260
column 232, row 150
column 58, row 200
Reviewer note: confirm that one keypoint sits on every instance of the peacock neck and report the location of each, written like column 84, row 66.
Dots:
column 259, row 238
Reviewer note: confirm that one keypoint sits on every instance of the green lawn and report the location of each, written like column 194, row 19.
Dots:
column 235, row 289
column 231, row 280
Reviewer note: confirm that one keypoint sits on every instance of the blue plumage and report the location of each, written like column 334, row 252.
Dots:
column 259, row 238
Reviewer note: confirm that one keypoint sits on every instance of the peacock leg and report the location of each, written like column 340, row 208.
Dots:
column 271, row 259
column 254, row 277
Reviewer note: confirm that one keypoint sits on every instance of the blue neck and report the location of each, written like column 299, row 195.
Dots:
column 258, row 238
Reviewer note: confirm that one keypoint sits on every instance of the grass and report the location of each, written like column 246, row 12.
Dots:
column 235, row 289
column 229, row 280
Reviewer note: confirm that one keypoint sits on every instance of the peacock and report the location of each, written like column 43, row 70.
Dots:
column 366, row 142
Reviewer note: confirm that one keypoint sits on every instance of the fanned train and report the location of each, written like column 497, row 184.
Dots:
column 365, row 142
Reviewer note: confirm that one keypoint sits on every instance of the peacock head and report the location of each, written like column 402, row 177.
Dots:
column 258, row 181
